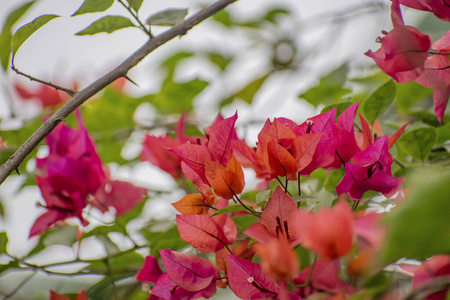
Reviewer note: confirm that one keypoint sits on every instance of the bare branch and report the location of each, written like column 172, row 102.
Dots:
column 58, row 87
column 120, row 71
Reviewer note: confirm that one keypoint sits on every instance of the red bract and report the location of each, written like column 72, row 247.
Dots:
column 217, row 148
column 72, row 175
column 277, row 220
column 205, row 233
column 369, row 232
column 440, row 8
column 370, row 170
column 156, row 149
column 45, row 95
column 433, row 268
column 324, row 153
column 324, row 278
column 121, row 195
column 248, row 281
column 188, row 272
column 165, row 288
column 437, row 75
column 278, row 259
column 151, row 271
column 345, row 142
column 328, row 232
column 403, row 50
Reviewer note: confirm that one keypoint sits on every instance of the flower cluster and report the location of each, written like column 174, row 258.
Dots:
column 73, row 176
column 284, row 149
column 404, row 53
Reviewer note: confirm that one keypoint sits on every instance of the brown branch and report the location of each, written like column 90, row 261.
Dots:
column 58, row 87
column 120, row 71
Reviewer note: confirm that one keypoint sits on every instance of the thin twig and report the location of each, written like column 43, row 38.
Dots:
column 68, row 91
column 120, row 71
column 135, row 16
column 13, row 292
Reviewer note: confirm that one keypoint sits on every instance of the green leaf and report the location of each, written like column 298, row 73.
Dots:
column 121, row 262
column 6, row 34
column 135, row 4
column 329, row 90
column 24, row 32
column 340, row 107
column 223, row 17
column 163, row 240
column 176, row 97
column 123, row 220
column 379, row 101
column 91, row 6
column 272, row 14
column 419, row 228
column 172, row 61
column 410, row 93
column 232, row 208
column 109, row 119
column 110, row 247
column 443, row 134
column 106, row 24
column 3, row 242
column 248, row 92
column 219, row 60
column 263, row 196
column 418, row 142
column 10, row 265
column 168, row 17
column 65, row 236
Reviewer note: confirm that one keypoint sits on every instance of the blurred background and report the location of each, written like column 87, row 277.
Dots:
column 260, row 58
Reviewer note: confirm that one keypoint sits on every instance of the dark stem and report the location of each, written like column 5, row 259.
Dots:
column 68, row 91
column 135, row 16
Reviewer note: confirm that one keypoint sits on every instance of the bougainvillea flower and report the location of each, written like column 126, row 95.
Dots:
column 370, row 234
column 370, row 170
column 63, row 198
column 55, row 296
column 73, row 176
column 192, row 204
column 205, row 233
column 324, row 278
column 155, row 149
column 324, row 153
column 437, row 75
column 278, row 259
column 361, row 264
column 72, row 153
column 45, row 95
column 189, row 272
column 345, row 142
column 403, row 50
column 226, row 181
column 120, row 195
column 151, row 271
column 440, row 8
column 165, row 288
column 430, row 270
column 217, row 147
column 329, row 232
column 248, row 280
column 277, row 220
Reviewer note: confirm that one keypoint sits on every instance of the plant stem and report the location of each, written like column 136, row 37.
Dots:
column 135, row 16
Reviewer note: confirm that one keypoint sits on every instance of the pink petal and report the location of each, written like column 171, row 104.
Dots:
column 189, row 272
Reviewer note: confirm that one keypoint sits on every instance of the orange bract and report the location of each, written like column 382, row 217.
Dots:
column 226, row 181
column 192, row 204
